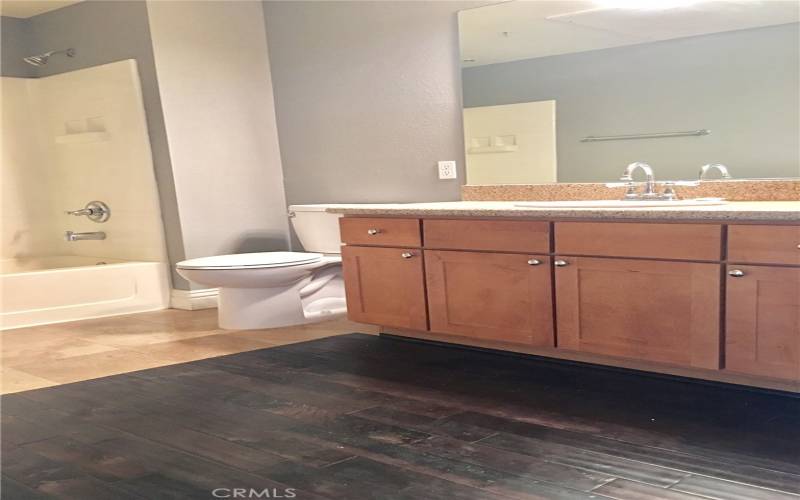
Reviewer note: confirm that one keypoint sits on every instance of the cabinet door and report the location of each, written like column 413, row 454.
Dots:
column 502, row 297
column 385, row 286
column 649, row 310
column 763, row 321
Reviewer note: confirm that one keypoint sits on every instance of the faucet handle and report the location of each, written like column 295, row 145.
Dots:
column 669, row 191
column 630, row 191
column 96, row 211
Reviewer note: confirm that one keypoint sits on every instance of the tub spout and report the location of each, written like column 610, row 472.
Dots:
column 72, row 236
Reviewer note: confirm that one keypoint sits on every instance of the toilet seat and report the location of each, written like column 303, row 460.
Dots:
column 257, row 260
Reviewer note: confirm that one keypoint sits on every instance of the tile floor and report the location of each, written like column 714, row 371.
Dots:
column 49, row 355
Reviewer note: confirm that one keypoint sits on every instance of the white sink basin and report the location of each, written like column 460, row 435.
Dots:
column 622, row 203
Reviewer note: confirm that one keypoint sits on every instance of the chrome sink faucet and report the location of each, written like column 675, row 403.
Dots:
column 650, row 183
column 723, row 170
column 72, row 236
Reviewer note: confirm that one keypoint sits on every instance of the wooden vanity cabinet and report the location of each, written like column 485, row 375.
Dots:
column 385, row 286
column 494, row 296
column 763, row 321
column 700, row 300
column 660, row 311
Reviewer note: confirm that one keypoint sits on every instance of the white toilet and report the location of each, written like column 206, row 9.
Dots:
column 272, row 289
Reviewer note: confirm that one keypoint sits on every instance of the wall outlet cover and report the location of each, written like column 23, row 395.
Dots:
column 447, row 169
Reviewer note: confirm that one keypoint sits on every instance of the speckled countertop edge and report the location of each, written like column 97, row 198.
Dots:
column 771, row 211
column 733, row 190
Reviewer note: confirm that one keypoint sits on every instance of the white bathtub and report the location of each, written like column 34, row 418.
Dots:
column 41, row 290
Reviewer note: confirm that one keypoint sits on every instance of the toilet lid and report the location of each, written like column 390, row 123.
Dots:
column 250, row 260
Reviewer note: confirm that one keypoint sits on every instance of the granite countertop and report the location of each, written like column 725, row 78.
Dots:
column 773, row 211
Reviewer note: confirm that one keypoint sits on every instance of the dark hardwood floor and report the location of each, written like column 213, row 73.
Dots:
column 363, row 417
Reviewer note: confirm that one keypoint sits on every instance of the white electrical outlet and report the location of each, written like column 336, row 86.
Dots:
column 447, row 169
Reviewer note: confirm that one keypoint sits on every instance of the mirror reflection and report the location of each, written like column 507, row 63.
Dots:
column 574, row 91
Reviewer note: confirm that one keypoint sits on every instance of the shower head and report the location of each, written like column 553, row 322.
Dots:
column 41, row 59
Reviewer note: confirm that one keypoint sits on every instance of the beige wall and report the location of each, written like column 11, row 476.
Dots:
column 216, row 93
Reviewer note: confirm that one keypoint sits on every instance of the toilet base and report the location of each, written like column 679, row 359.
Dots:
column 256, row 308
column 259, row 308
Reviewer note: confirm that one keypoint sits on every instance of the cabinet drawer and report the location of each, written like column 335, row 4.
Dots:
column 656, row 241
column 379, row 231
column 497, row 235
column 764, row 244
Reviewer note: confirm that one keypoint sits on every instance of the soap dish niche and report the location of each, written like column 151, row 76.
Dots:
column 493, row 144
column 82, row 131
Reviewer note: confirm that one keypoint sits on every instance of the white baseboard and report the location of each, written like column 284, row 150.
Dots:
column 192, row 300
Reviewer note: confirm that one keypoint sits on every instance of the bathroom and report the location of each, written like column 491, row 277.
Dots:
column 181, row 320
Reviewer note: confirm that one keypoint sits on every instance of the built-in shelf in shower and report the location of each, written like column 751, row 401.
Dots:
column 82, row 137
column 85, row 130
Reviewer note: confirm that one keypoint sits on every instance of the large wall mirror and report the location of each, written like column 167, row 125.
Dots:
column 573, row 91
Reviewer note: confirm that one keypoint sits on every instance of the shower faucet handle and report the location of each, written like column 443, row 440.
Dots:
column 82, row 211
column 96, row 211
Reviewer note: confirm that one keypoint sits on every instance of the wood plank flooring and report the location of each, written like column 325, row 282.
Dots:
column 365, row 417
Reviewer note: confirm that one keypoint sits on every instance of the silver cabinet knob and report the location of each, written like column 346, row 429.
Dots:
column 736, row 273
column 560, row 263
column 406, row 255
column 373, row 232
column 534, row 262
column 798, row 247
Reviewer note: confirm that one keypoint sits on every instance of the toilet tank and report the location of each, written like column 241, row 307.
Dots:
column 317, row 230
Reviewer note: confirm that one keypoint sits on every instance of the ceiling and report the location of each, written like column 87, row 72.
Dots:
column 517, row 30
column 30, row 8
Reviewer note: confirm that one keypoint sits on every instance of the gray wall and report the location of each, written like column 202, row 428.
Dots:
column 103, row 32
column 216, row 96
column 742, row 85
column 368, row 99
column 16, row 42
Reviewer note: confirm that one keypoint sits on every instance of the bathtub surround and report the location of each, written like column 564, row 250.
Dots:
column 114, row 167
column 29, row 227
column 49, row 167
column 715, row 82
